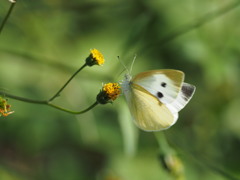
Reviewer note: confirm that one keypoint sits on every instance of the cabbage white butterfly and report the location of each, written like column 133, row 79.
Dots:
column 155, row 97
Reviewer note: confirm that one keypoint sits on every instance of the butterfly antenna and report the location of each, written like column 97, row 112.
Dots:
column 131, row 67
column 125, row 67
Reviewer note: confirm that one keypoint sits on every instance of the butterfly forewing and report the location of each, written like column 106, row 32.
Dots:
column 163, row 84
column 148, row 112
column 184, row 96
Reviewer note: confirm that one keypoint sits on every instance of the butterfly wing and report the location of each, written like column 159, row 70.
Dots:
column 163, row 84
column 155, row 98
column 148, row 112
column 184, row 96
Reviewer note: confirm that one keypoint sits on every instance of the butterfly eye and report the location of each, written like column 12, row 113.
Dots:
column 163, row 84
column 159, row 94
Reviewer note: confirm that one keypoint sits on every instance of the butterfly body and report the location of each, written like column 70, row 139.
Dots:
column 155, row 97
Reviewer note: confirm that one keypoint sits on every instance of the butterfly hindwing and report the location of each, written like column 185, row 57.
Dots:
column 148, row 112
column 163, row 84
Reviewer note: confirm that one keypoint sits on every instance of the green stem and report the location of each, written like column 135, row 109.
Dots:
column 73, row 112
column 48, row 103
column 162, row 142
column 60, row 90
column 22, row 98
column 7, row 16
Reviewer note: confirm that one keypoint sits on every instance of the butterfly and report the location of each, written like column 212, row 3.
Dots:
column 155, row 97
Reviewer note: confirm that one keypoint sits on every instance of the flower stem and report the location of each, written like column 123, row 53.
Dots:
column 73, row 112
column 48, row 103
column 60, row 90
column 164, row 147
column 23, row 98
column 6, row 17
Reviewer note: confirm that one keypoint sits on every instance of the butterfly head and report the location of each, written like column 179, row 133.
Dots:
column 126, row 82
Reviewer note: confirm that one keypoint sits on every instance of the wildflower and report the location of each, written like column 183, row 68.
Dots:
column 95, row 58
column 4, row 107
column 109, row 93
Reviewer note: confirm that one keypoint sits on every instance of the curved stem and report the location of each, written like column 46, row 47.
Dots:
column 73, row 112
column 48, row 103
column 7, row 16
column 23, row 98
column 162, row 142
column 60, row 90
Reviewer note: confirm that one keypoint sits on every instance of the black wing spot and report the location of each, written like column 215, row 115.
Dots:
column 159, row 95
column 163, row 84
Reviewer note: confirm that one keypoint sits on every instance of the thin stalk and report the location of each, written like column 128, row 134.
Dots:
column 7, row 16
column 62, row 88
column 73, row 112
column 23, row 98
column 48, row 103
column 162, row 142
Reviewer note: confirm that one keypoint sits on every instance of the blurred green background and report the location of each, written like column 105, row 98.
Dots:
column 45, row 42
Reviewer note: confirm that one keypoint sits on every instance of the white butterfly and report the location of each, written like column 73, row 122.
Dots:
column 155, row 97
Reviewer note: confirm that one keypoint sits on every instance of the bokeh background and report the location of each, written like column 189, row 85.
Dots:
column 44, row 42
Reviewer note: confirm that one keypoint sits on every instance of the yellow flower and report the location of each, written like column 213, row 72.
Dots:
column 95, row 58
column 109, row 93
column 4, row 107
column 112, row 90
